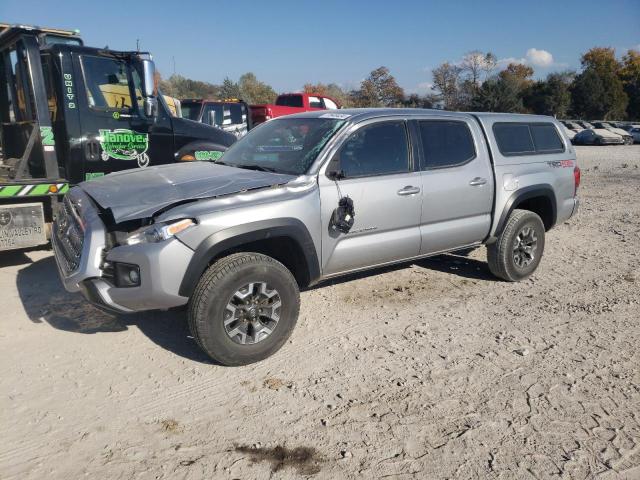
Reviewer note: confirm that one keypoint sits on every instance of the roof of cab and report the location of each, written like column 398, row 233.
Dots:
column 360, row 114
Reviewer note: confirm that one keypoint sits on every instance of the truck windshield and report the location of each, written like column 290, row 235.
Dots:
column 287, row 145
column 191, row 110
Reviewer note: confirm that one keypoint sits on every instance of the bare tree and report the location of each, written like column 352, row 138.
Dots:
column 478, row 66
column 446, row 81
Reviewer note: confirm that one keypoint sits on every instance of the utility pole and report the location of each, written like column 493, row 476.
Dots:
column 137, row 44
column 173, row 59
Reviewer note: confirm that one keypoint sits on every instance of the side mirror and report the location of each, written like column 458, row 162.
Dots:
column 148, row 88
column 334, row 172
column 148, row 78
column 212, row 118
column 150, row 107
column 335, row 175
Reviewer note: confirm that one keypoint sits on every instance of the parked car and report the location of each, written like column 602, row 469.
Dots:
column 597, row 136
column 309, row 197
column 289, row 103
column 635, row 133
column 585, row 125
column 231, row 114
column 573, row 126
column 628, row 139
column 629, row 126
column 568, row 132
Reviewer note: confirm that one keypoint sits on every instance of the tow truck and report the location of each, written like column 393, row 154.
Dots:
column 70, row 113
column 230, row 114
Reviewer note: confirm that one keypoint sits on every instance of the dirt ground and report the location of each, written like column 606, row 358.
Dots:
column 433, row 370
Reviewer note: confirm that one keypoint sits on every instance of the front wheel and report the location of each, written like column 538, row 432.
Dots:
column 517, row 252
column 244, row 308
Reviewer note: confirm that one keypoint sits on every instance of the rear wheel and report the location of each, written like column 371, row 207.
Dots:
column 518, row 251
column 244, row 308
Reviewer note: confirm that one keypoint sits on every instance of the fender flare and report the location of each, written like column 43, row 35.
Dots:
column 233, row 237
column 532, row 191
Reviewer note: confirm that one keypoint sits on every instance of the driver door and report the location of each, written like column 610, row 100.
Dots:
column 386, row 192
column 114, row 135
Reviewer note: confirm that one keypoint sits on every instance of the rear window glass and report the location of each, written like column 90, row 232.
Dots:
column 289, row 101
column 545, row 138
column 191, row 110
column 446, row 143
column 513, row 138
column 527, row 138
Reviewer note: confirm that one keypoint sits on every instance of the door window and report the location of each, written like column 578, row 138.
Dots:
column 379, row 149
column 106, row 83
column 446, row 143
column 315, row 102
column 329, row 104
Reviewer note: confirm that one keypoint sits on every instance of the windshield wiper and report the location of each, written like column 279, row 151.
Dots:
column 260, row 168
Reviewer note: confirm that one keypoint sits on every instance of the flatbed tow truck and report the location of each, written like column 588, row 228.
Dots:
column 70, row 113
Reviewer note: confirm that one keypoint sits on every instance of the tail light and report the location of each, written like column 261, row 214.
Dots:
column 576, row 179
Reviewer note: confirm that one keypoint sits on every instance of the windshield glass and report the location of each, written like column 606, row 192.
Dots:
column 287, row 145
column 191, row 110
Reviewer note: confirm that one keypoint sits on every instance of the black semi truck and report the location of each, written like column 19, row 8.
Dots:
column 70, row 113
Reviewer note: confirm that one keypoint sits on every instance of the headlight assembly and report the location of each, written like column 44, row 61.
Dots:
column 158, row 232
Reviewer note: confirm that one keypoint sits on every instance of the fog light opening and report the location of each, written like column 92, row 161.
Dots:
column 127, row 275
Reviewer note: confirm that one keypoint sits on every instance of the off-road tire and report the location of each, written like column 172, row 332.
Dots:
column 218, row 284
column 500, row 254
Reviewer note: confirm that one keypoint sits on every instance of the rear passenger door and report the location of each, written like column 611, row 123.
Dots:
column 457, row 183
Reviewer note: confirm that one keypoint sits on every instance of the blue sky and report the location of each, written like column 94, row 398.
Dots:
column 288, row 43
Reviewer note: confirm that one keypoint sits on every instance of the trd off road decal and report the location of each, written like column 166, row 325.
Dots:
column 123, row 144
column 208, row 155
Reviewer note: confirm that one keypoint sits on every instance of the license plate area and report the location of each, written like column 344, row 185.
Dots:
column 21, row 226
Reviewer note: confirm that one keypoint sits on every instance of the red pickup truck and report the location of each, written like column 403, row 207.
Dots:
column 289, row 103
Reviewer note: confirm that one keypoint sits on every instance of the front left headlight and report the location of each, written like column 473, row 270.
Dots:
column 158, row 232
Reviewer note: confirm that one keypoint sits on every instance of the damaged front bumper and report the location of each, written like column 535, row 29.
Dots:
column 79, row 241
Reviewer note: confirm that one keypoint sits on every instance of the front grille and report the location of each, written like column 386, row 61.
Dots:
column 69, row 236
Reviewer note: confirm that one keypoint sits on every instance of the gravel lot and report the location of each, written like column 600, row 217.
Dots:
column 433, row 370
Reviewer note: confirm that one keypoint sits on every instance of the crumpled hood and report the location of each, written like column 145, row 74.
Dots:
column 139, row 193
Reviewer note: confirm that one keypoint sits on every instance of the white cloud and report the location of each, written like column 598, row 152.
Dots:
column 539, row 58
column 503, row 62
column 534, row 58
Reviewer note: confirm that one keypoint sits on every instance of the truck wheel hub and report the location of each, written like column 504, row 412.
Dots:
column 252, row 313
column 524, row 247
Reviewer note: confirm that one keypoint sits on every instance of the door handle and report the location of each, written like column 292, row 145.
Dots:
column 478, row 181
column 92, row 150
column 408, row 190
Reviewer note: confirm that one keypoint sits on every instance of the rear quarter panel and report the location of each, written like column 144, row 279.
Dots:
column 514, row 173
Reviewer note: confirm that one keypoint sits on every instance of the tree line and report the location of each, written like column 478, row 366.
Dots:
column 606, row 88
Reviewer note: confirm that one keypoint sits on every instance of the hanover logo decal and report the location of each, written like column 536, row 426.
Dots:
column 123, row 144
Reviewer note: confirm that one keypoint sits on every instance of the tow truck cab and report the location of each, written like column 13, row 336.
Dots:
column 231, row 114
column 70, row 113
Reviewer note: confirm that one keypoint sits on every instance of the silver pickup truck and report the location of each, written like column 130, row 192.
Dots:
column 308, row 197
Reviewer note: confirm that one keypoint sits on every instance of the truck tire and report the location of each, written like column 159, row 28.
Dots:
column 517, row 252
column 244, row 308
